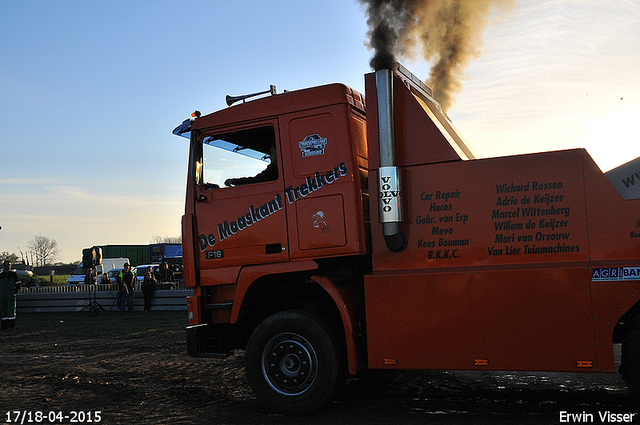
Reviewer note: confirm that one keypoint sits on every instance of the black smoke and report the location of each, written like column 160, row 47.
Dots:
column 447, row 33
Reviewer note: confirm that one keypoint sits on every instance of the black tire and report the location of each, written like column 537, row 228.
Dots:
column 630, row 361
column 293, row 363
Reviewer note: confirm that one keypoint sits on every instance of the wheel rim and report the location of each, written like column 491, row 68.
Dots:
column 289, row 364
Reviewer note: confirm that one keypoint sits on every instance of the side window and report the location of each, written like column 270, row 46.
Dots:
column 239, row 158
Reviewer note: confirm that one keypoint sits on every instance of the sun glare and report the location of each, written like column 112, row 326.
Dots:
column 614, row 139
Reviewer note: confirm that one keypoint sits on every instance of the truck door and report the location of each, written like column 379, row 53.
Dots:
column 240, row 216
column 324, row 182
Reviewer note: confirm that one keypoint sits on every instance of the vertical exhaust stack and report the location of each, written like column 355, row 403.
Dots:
column 389, row 180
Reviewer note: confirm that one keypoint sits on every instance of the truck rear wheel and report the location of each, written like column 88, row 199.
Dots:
column 293, row 364
column 630, row 365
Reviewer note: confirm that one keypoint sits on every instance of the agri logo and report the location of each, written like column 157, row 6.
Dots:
column 615, row 273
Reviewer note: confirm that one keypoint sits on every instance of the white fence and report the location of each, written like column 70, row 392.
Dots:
column 77, row 297
column 85, row 288
column 69, row 288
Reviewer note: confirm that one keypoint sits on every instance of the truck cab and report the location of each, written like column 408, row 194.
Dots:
column 314, row 140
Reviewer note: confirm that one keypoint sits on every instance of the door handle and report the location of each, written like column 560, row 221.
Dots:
column 273, row 248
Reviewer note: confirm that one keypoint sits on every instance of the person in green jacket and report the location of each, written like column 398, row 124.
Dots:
column 9, row 286
column 127, row 280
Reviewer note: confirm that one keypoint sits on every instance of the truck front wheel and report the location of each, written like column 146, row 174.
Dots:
column 293, row 364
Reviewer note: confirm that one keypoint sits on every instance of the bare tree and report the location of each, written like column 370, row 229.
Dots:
column 45, row 250
column 27, row 257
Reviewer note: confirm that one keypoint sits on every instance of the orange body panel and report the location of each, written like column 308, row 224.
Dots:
column 252, row 273
column 499, row 267
column 515, row 320
column 188, row 243
column 224, row 209
column 346, row 308
column 493, row 212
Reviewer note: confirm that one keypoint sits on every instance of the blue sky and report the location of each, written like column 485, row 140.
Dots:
column 90, row 91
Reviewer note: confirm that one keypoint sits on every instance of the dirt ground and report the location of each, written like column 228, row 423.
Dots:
column 133, row 369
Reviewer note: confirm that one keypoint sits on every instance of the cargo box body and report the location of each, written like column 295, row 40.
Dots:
column 508, row 259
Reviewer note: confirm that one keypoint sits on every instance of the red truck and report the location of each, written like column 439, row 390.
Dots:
column 326, row 237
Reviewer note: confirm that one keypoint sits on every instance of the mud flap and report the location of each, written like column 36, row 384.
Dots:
column 194, row 337
column 202, row 341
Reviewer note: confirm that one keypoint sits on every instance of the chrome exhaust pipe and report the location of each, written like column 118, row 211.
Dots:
column 389, row 179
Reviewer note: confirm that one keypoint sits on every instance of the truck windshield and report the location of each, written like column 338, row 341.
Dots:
column 237, row 158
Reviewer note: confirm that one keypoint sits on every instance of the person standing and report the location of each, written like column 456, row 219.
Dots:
column 166, row 274
column 9, row 286
column 270, row 173
column 127, row 280
column 90, row 277
column 148, row 288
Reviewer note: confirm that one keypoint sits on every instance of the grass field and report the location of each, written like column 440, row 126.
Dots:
column 57, row 279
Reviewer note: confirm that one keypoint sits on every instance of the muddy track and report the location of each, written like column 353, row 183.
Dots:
column 134, row 369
